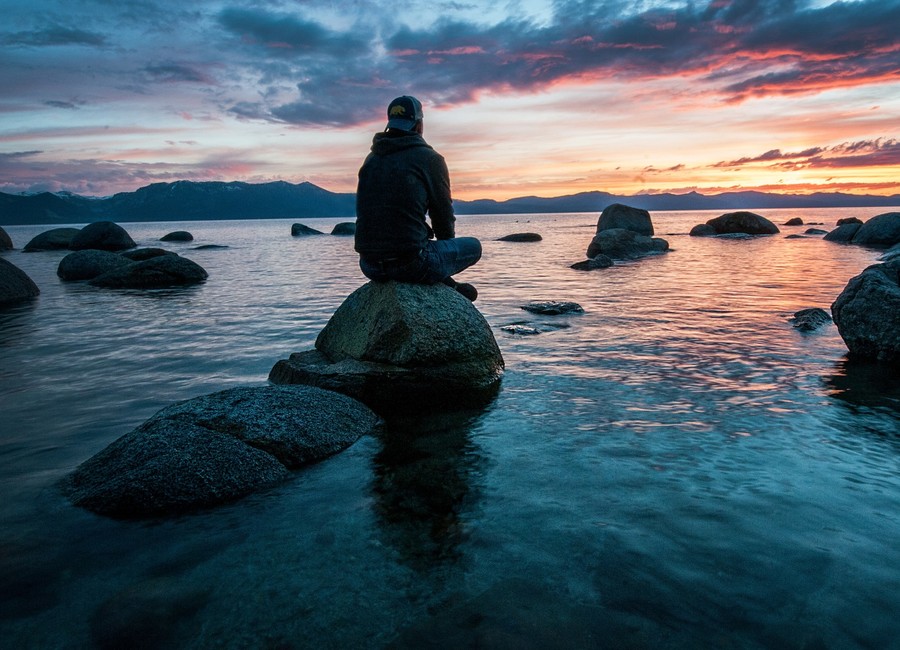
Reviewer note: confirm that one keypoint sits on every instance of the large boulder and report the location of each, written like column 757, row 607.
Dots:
column 867, row 313
column 618, row 215
column 5, row 241
column 102, row 235
column 748, row 223
column 881, row 231
column 216, row 448
column 703, row 230
column 15, row 285
column 88, row 264
column 397, row 346
column 155, row 273
column 51, row 240
column 622, row 244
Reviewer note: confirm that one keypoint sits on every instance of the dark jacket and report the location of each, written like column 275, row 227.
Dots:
column 401, row 179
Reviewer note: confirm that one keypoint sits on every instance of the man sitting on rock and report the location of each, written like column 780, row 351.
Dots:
column 401, row 180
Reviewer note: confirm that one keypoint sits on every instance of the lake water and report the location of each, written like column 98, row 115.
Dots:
column 677, row 467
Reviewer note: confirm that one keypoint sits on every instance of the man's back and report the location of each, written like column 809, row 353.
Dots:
column 401, row 179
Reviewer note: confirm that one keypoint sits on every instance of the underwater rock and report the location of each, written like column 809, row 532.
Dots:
column 807, row 320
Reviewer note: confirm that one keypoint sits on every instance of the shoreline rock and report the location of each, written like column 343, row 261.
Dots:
column 867, row 313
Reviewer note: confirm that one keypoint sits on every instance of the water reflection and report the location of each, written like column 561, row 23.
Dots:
column 427, row 478
column 865, row 384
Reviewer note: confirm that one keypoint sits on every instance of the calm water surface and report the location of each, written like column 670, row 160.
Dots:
column 677, row 467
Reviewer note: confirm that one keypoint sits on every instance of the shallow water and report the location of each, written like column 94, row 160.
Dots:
column 676, row 467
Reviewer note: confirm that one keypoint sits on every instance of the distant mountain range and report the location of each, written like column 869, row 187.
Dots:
column 192, row 201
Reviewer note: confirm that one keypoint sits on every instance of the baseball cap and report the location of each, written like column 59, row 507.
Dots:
column 403, row 113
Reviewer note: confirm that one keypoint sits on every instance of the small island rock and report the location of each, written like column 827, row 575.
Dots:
column 155, row 273
column 300, row 230
column 178, row 235
column 397, row 346
column 344, row 229
column 796, row 221
column 216, row 448
column 52, row 240
column 15, row 285
column 88, row 264
column 618, row 215
column 553, row 307
column 867, row 313
column 743, row 222
column 5, row 241
column 102, row 235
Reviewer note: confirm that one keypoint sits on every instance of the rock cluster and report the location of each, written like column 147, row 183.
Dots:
column 881, row 231
column 142, row 268
column 216, row 448
column 623, row 233
column 397, row 346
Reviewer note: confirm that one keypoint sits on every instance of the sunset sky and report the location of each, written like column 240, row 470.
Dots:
column 526, row 97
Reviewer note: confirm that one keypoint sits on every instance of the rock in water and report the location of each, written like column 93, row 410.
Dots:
column 158, row 272
column 178, row 235
column 844, row 233
column 622, row 244
column 51, row 240
column 618, row 215
column 521, row 237
column 807, row 320
column 867, row 313
column 88, row 264
column 15, row 285
column 216, row 448
column 102, row 235
column 397, row 346
column 300, row 230
column 879, row 231
column 344, row 229
column 5, row 241
column 749, row 223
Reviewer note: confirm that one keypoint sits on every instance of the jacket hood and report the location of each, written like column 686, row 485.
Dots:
column 384, row 144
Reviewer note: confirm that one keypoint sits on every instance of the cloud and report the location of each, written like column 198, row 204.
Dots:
column 881, row 152
column 54, row 36
column 176, row 73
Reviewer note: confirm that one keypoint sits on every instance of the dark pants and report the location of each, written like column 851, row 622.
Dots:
column 435, row 263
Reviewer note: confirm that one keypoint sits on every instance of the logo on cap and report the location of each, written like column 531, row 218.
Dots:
column 397, row 111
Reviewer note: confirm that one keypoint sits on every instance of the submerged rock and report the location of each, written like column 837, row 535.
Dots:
column 216, row 448
column 622, row 244
column 15, row 285
column 178, row 235
column 744, row 222
column 5, row 241
column 599, row 261
column 521, row 237
column 397, row 346
column 300, row 230
column 155, row 273
column 618, row 215
column 102, row 235
column 867, row 313
column 807, row 320
column 52, row 240
column 553, row 307
column 88, row 264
